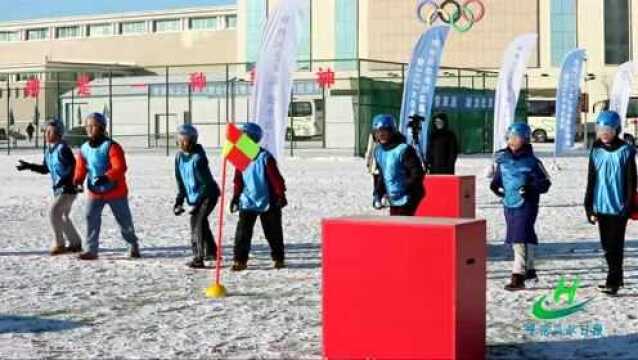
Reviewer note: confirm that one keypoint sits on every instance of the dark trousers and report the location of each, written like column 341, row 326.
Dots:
column 271, row 224
column 612, row 238
column 202, row 240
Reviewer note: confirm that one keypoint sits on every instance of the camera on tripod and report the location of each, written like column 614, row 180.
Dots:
column 415, row 124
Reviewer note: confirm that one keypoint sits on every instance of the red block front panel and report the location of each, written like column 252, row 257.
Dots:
column 448, row 196
column 403, row 288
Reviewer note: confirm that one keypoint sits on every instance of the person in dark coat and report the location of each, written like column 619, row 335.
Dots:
column 196, row 185
column 259, row 192
column 519, row 180
column 442, row 147
column 30, row 130
column 611, row 189
column 398, row 181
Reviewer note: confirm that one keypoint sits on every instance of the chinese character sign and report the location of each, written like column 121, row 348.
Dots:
column 567, row 100
column 326, row 78
column 418, row 93
column 198, row 82
column 32, row 88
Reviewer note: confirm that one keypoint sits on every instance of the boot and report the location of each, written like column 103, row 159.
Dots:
column 74, row 248
column 239, row 266
column 280, row 264
column 196, row 263
column 531, row 275
column 517, row 283
column 134, row 252
column 87, row 256
column 57, row 250
column 609, row 290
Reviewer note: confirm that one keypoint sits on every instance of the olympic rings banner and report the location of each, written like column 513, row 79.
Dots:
column 509, row 85
column 461, row 16
column 420, row 83
column 568, row 95
column 621, row 90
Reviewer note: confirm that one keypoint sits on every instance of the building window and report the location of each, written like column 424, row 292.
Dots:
column 346, row 33
column 96, row 30
column 563, row 29
column 167, row 25
column 303, row 50
column 37, row 34
column 209, row 23
column 135, row 27
column 67, row 32
column 616, row 16
column 231, row 21
column 8, row 36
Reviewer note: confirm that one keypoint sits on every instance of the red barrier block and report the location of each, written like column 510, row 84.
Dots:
column 404, row 288
column 448, row 196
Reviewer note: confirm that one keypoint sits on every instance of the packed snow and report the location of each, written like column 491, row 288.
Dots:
column 154, row 307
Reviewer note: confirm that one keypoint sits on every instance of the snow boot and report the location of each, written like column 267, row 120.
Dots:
column 516, row 283
column 609, row 290
column 196, row 263
column 74, row 248
column 87, row 256
column 531, row 275
column 239, row 266
column 57, row 250
column 279, row 264
column 134, row 252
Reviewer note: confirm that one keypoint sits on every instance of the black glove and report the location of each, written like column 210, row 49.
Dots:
column 591, row 218
column 377, row 203
column 196, row 207
column 525, row 189
column 101, row 180
column 234, row 205
column 281, row 202
column 23, row 165
column 178, row 209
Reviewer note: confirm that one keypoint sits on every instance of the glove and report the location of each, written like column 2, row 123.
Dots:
column 525, row 189
column 101, row 180
column 79, row 188
column 178, row 209
column 195, row 208
column 234, row 205
column 377, row 203
column 281, row 203
column 592, row 219
column 23, row 165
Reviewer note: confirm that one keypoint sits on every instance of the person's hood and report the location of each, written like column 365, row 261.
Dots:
column 445, row 122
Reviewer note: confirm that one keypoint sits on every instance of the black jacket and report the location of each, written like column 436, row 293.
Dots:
column 442, row 150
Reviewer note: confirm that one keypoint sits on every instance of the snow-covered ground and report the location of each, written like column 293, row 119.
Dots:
column 60, row 307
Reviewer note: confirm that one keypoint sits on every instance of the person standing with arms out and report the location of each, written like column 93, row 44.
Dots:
column 520, row 179
column 59, row 163
column 442, row 148
column 611, row 188
column 196, row 185
column 259, row 191
column 102, row 163
column 398, row 180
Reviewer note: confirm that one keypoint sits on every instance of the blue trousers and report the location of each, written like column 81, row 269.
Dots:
column 122, row 213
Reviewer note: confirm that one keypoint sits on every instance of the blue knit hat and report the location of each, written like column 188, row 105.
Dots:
column 99, row 118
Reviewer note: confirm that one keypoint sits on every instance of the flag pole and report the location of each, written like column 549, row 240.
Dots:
column 217, row 290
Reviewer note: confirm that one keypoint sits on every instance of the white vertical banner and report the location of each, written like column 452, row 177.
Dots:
column 621, row 90
column 508, row 88
column 273, row 75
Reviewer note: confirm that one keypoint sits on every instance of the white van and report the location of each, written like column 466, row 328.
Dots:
column 541, row 118
column 305, row 119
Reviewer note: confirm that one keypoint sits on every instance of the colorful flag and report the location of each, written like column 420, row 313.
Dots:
column 239, row 149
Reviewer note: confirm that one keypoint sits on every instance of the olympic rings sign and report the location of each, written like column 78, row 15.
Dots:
column 461, row 16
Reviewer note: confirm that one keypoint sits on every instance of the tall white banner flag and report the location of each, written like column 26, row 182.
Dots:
column 621, row 90
column 273, row 75
column 508, row 88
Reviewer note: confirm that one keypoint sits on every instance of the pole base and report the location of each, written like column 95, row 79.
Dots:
column 215, row 291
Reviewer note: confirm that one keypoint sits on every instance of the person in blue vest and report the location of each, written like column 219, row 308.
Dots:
column 611, row 188
column 196, row 185
column 59, row 163
column 259, row 191
column 398, row 179
column 520, row 179
column 102, row 163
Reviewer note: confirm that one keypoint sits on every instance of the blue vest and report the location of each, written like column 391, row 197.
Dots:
column 187, row 166
column 515, row 173
column 609, row 191
column 97, row 164
column 255, row 195
column 390, row 162
column 57, row 169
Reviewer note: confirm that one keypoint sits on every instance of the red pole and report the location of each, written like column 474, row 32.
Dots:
column 220, row 225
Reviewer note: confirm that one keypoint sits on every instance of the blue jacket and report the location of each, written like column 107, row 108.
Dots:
column 400, row 173
column 611, row 180
column 520, row 178
column 195, row 181
column 59, row 163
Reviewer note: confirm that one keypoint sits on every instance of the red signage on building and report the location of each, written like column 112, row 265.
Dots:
column 83, row 83
column 326, row 78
